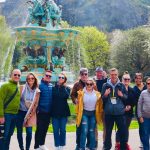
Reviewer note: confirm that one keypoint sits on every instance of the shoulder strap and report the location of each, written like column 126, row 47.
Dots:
column 11, row 98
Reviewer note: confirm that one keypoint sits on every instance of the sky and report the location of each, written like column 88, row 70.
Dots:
column 2, row 0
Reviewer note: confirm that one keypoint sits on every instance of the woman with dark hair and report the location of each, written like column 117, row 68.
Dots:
column 60, row 111
column 27, row 112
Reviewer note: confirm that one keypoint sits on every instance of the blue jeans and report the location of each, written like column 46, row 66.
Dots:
column 88, row 125
column 59, row 130
column 145, row 127
column 10, row 122
column 20, row 119
column 121, row 125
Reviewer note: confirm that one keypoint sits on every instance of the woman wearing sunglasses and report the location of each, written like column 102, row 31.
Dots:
column 27, row 112
column 89, row 113
column 129, row 104
column 60, row 111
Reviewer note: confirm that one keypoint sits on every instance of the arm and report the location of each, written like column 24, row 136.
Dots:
column 74, row 93
column 140, row 105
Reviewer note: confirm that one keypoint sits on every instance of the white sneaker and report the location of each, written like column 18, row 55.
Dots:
column 43, row 147
column 57, row 148
column 61, row 147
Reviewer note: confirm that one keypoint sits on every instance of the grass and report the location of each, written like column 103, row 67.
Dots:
column 71, row 126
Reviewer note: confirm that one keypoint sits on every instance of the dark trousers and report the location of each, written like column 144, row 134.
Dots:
column 121, row 125
column 20, row 120
column 43, row 121
column 128, row 122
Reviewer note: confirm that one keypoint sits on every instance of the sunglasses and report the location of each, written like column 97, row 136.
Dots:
column 17, row 75
column 126, row 79
column 148, row 83
column 48, row 76
column 31, row 78
column 89, row 84
column 61, row 77
column 84, row 74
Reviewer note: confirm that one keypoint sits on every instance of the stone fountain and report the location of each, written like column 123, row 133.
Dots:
column 44, row 41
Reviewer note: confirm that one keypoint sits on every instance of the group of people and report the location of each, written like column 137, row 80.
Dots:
column 100, row 100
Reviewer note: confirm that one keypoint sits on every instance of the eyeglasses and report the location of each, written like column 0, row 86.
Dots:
column 148, row 83
column 89, row 84
column 61, row 77
column 31, row 78
column 48, row 76
column 84, row 74
column 17, row 75
column 126, row 79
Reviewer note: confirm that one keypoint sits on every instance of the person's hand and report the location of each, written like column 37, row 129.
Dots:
column 2, row 120
column 76, row 101
column 141, row 120
column 120, row 93
column 127, row 108
column 107, row 92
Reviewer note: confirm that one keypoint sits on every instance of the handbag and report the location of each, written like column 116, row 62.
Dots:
column 1, row 131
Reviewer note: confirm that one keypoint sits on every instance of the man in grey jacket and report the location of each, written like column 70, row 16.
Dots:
column 144, row 115
column 114, row 96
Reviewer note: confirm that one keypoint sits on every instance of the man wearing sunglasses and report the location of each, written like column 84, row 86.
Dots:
column 9, row 106
column 43, row 113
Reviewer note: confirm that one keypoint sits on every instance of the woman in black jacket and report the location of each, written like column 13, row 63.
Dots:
column 129, row 104
column 60, row 111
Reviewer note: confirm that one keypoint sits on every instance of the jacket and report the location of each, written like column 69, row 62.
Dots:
column 60, row 107
column 79, row 108
column 45, row 100
column 30, row 118
column 79, row 85
column 119, row 107
column 6, row 91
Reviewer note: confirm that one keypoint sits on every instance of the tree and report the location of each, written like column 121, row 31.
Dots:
column 95, row 47
column 132, row 52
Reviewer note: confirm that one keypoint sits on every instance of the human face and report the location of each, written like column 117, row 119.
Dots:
column 99, row 75
column 148, row 85
column 30, row 80
column 89, row 85
column 126, row 80
column 114, row 76
column 47, row 76
column 16, row 74
column 84, row 76
column 61, row 79
column 138, row 80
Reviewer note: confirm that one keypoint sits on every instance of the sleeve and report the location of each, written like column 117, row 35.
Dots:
column 103, row 92
column 74, row 93
column 2, row 98
column 140, row 105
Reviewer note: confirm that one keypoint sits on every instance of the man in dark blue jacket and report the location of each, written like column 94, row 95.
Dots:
column 43, row 114
column 114, row 95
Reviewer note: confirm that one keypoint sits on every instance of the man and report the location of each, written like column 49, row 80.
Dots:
column 100, row 80
column 9, row 106
column 138, row 88
column 114, row 94
column 79, row 85
column 144, row 115
column 43, row 114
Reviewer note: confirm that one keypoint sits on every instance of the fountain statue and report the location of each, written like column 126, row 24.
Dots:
column 43, row 41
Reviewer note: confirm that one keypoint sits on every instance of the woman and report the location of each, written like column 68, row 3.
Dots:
column 60, row 111
column 129, row 104
column 27, row 112
column 89, row 113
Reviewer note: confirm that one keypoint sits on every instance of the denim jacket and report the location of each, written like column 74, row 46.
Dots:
column 119, row 107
